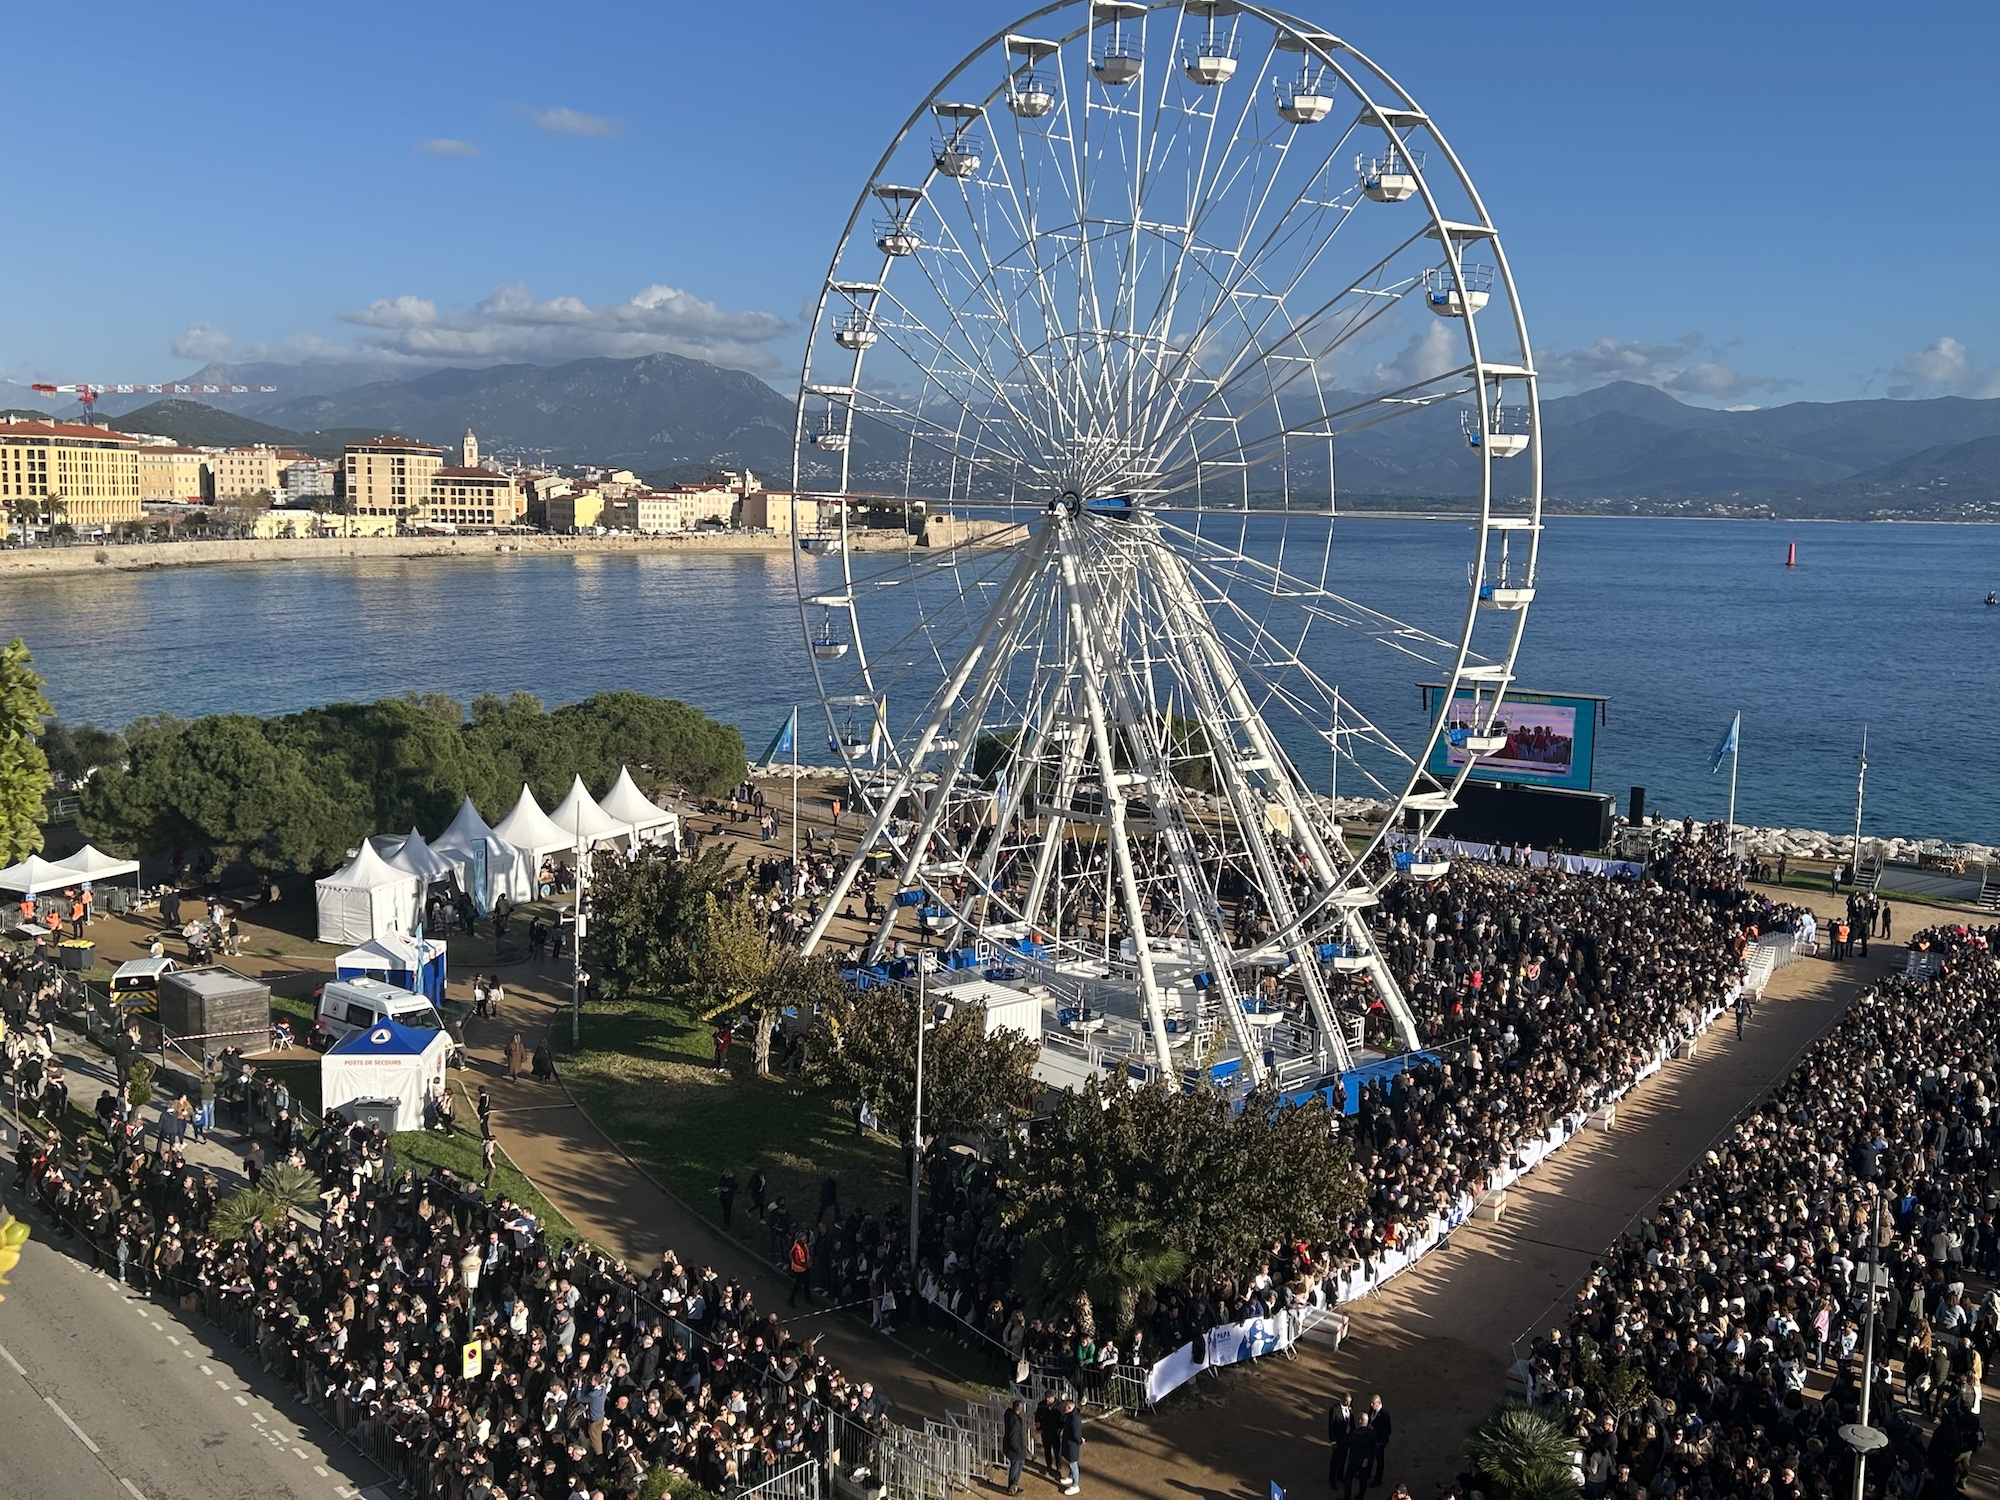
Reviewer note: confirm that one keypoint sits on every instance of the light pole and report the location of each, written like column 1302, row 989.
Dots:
column 1860, row 784
column 576, row 948
column 917, row 1128
column 1859, row 1436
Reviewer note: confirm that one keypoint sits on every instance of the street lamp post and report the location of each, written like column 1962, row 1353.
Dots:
column 917, row 1127
column 1860, row 784
column 1859, row 1436
column 576, row 948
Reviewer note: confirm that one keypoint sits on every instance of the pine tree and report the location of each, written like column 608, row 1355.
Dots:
column 24, row 770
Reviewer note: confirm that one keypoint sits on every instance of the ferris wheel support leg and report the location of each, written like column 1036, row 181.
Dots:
column 1087, row 654
column 1045, row 857
column 1010, row 805
column 990, row 646
column 1207, row 669
column 1031, row 557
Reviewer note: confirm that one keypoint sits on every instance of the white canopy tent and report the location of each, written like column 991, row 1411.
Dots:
column 92, row 863
column 367, row 899
column 639, row 813
column 34, row 875
column 531, row 831
column 388, row 1065
column 409, row 852
column 487, row 864
column 579, row 816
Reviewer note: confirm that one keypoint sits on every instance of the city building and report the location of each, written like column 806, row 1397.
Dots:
column 92, row 472
column 173, row 473
column 388, row 478
column 306, row 480
column 779, row 511
column 245, row 473
column 463, row 496
column 713, row 503
column 574, row 509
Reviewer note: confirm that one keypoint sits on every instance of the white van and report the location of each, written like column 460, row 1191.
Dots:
column 347, row 1005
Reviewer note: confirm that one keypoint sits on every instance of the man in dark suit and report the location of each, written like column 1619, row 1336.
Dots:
column 1379, row 1430
column 1340, row 1435
column 1360, row 1459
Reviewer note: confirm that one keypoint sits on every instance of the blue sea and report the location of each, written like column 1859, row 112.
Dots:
column 1678, row 623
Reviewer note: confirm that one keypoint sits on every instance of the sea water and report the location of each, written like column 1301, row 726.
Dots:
column 1678, row 623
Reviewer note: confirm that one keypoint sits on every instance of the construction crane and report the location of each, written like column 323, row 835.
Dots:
column 88, row 394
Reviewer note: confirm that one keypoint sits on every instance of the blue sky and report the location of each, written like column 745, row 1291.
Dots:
column 1747, row 203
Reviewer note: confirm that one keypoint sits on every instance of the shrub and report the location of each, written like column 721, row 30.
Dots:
column 232, row 1216
column 140, row 1076
column 286, row 1187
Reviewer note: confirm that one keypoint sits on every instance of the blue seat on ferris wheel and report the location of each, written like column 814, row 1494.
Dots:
column 909, row 898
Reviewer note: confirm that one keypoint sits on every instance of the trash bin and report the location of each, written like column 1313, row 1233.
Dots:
column 76, row 953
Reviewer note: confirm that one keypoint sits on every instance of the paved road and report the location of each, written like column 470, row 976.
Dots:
column 104, row 1395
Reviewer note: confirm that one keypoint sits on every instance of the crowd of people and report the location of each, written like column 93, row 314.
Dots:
column 1719, row 1349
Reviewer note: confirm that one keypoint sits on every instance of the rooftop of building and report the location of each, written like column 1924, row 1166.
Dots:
column 75, row 431
column 395, row 442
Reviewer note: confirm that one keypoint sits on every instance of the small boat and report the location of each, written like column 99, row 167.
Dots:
column 1791, row 554
column 1992, row 600
column 822, row 543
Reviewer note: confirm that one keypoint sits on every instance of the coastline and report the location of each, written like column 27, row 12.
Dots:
column 141, row 557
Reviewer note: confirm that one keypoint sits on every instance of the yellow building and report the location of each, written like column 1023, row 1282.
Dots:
column 176, row 474
column 575, row 510
column 389, row 477
column 244, row 473
column 779, row 511
column 92, row 472
column 471, row 497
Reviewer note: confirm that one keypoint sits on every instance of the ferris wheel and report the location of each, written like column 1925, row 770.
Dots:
column 1138, row 304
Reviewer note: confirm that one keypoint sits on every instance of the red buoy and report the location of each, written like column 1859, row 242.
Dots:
column 1791, row 554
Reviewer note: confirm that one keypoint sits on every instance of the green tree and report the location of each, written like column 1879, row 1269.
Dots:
column 220, row 789
column 76, row 750
column 523, row 743
column 1219, row 1179
column 796, row 983
column 24, row 769
column 1089, row 1263
column 390, row 765
column 646, row 913
column 1526, row 1453
column 666, row 742
column 972, row 1081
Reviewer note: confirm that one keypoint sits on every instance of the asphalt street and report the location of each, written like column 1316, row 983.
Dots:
column 105, row 1395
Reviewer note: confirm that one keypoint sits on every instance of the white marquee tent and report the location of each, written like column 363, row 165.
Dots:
column 408, row 851
column 579, row 816
column 34, row 875
column 367, row 899
column 92, row 863
column 640, row 816
column 387, row 1064
column 530, row 830
column 486, row 864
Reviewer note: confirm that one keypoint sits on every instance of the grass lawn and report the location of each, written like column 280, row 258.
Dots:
column 646, row 1074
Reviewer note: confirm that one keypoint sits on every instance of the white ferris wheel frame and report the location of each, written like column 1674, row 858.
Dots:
column 1344, row 885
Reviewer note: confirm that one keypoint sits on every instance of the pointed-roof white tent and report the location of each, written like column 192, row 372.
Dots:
column 34, row 875
column 366, row 899
column 631, row 807
column 92, row 863
column 416, row 856
column 579, row 816
column 528, row 828
column 486, row 864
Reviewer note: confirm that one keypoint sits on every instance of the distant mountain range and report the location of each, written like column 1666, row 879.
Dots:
column 1620, row 449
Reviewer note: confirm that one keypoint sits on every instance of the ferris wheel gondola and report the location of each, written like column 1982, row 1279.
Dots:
column 1115, row 371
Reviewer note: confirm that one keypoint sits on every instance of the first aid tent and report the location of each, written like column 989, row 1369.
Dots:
column 409, row 963
column 386, row 1072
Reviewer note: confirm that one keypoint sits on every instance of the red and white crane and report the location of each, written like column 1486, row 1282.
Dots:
column 88, row 394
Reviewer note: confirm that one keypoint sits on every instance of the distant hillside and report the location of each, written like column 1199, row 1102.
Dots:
column 198, row 426
column 655, row 413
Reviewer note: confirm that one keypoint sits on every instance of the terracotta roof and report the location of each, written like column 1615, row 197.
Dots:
column 17, row 428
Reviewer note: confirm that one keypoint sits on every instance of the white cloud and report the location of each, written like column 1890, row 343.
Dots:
column 1686, row 367
column 444, row 145
column 560, row 120
column 1944, row 367
column 211, row 345
column 511, row 325
column 1427, row 355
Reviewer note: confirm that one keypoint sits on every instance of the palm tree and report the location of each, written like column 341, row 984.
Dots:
column 1527, row 1453
column 1110, row 1262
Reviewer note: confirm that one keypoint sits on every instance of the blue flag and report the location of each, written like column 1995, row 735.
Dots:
column 1277, row 1492
column 782, row 742
column 1728, row 746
